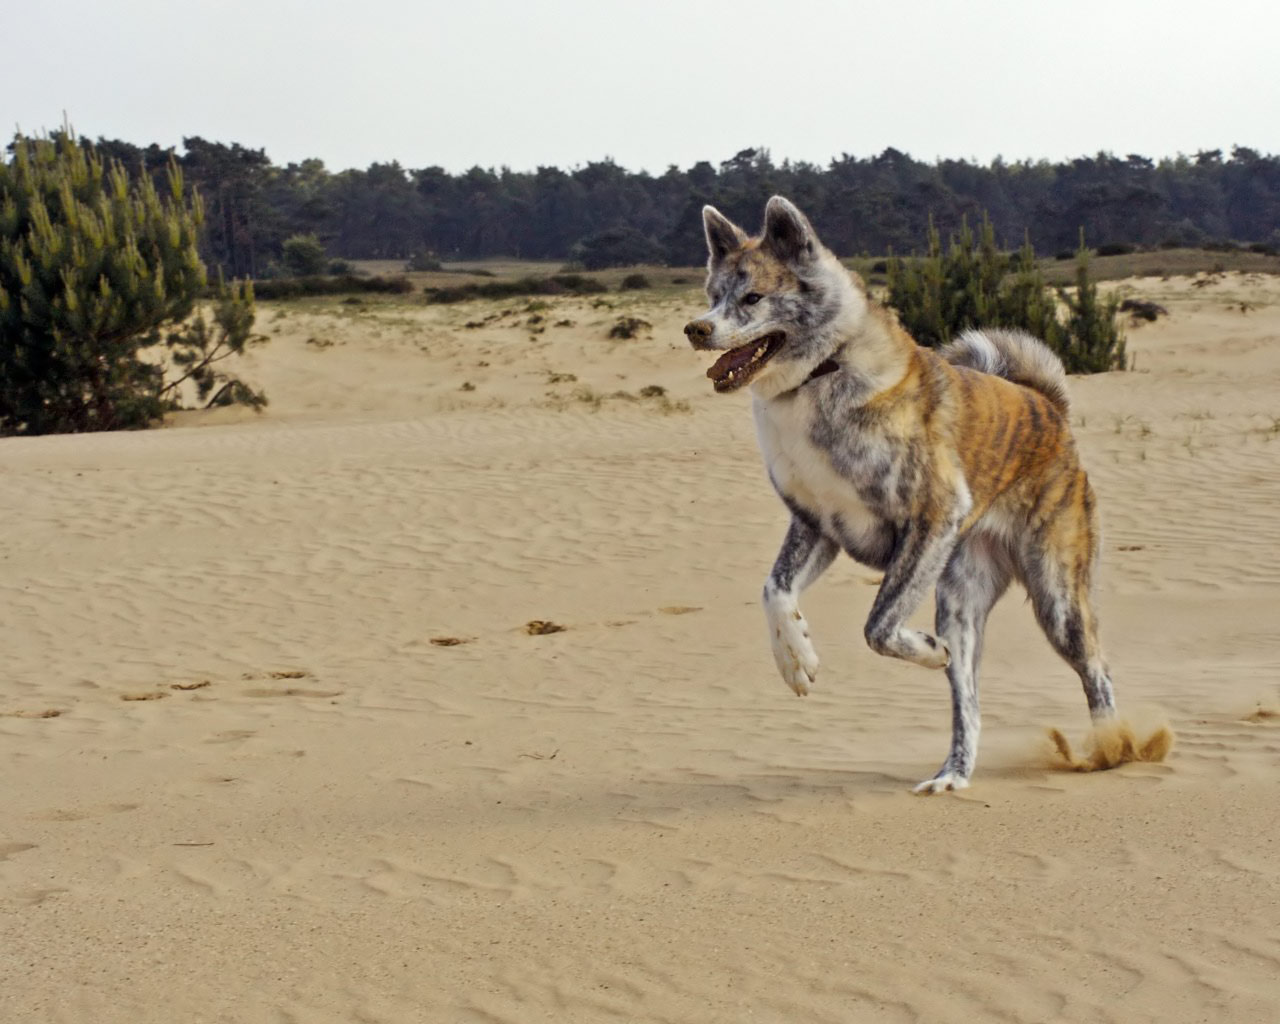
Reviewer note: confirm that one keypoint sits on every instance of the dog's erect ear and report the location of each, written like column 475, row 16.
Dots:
column 723, row 236
column 788, row 233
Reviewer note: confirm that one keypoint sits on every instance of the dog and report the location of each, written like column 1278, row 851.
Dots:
column 952, row 470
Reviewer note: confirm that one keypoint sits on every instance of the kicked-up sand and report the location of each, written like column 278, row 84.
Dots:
column 440, row 692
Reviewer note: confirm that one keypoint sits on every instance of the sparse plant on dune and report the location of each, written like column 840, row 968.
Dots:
column 627, row 327
column 97, row 270
column 974, row 284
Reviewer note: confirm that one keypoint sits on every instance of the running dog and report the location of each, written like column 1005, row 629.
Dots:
column 952, row 470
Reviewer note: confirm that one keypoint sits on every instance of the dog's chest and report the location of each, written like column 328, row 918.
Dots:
column 802, row 456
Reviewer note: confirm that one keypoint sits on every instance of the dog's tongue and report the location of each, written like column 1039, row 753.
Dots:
column 734, row 359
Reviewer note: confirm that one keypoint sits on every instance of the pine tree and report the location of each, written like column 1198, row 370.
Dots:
column 975, row 285
column 1094, row 341
column 95, row 270
column 1026, row 301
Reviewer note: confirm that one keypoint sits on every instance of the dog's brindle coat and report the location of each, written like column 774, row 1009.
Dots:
column 952, row 471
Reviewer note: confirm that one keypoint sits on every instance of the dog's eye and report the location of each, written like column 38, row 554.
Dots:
column 751, row 298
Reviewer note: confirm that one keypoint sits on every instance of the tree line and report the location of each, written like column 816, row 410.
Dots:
column 601, row 213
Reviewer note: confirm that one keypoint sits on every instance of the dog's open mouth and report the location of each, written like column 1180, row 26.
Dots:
column 737, row 366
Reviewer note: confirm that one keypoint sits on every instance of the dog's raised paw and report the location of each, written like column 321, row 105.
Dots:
column 792, row 650
column 941, row 783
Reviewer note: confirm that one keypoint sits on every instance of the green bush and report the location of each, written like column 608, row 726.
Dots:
column 424, row 261
column 304, row 255
column 94, row 271
column 302, row 287
column 973, row 284
column 1093, row 341
column 558, row 284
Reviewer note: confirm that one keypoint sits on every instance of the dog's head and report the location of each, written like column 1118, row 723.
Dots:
column 773, row 301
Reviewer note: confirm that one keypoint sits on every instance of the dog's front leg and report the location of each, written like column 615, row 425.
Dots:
column 805, row 555
column 919, row 557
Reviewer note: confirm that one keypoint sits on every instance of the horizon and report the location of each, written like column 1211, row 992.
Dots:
column 823, row 165
column 495, row 84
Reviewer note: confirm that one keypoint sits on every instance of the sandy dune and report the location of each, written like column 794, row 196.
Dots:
column 244, row 783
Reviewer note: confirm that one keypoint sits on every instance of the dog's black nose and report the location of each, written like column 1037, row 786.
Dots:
column 698, row 332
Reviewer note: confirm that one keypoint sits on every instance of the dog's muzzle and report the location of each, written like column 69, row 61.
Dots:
column 699, row 333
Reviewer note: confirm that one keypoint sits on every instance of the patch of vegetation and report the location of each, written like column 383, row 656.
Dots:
column 973, row 284
column 424, row 261
column 634, row 282
column 302, row 287
column 1141, row 309
column 304, row 255
column 627, row 327
column 95, row 270
column 557, row 284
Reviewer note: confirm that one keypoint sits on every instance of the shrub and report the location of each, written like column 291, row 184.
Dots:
column 616, row 247
column 628, row 327
column 558, row 284
column 974, row 285
column 1116, row 249
column 1093, row 341
column 304, row 255
column 424, row 261
column 301, row 287
column 1142, row 309
column 95, row 270
column 633, row 282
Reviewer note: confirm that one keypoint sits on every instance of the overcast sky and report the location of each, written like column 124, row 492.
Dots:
column 524, row 83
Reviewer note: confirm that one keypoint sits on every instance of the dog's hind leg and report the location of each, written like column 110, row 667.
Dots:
column 969, row 587
column 1059, row 576
column 1066, row 615
column 804, row 556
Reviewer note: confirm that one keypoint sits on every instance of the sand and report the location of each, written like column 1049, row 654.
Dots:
column 278, row 745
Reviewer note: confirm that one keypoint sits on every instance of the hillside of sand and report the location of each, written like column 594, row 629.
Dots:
column 279, row 744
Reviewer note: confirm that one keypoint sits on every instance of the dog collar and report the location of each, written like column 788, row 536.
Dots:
column 821, row 370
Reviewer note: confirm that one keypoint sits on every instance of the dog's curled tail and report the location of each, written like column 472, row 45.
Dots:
column 1013, row 355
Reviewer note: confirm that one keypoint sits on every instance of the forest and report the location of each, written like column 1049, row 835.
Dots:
column 602, row 214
